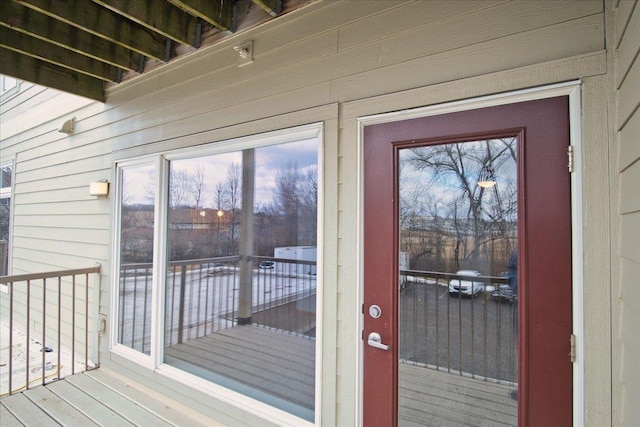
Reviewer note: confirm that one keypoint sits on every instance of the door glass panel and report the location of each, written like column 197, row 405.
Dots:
column 457, row 303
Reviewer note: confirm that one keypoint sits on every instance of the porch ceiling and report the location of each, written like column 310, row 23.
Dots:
column 81, row 46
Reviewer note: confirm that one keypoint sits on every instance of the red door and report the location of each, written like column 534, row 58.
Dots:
column 440, row 344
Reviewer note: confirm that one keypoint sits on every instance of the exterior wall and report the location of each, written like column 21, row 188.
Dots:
column 626, row 209
column 53, row 227
column 330, row 62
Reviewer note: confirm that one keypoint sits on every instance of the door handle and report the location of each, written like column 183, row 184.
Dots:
column 375, row 341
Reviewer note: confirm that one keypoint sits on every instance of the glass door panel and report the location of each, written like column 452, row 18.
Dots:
column 457, row 293
column 135, row 284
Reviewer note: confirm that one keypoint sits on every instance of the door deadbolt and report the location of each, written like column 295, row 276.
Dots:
column 375, row 311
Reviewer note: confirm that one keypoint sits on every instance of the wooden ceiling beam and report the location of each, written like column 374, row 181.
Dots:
column 30, row 46
column 220, row 13
column 272, row 7
column 103, row 23
column 37, row 25
column 30, row 69
column 159, row 16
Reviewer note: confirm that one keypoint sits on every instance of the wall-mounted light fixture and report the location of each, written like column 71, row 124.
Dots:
column 487, row 178
column 245, row 53
column 486, row 184
column 67, row 127
column 99, row 188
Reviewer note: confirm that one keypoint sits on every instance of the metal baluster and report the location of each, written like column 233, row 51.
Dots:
column 86, row 320
column 123, row 295
column 181, row 304
column 426, row 322
column 485, row 344
column 73, row 327
column 473, row 335
column 133, row 310
column 460, row 331
column 10, row 286
column 144, row 316
column 59, row 322
column 437, row 323
column 199, row 320
column 44, row 326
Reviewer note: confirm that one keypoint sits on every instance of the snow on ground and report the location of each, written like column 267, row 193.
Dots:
column 27, row 356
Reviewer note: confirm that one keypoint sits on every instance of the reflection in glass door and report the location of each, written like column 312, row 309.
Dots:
column 457, row 302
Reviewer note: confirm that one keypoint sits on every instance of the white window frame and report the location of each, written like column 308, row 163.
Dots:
column 116, row 347
column 7, row 92
column 154, row 361
column 7, row 193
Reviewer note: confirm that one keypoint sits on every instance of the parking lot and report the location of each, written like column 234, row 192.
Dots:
column 475, row 336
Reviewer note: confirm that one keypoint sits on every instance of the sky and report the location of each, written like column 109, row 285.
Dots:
column 420, row 188
column 303, row 154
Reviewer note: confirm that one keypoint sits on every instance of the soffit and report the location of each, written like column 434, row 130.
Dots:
column 81, row 46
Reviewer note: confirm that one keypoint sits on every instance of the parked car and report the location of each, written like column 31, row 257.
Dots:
column 465, row 287
column 503, row 293
column 213, row 268
column 266, row 265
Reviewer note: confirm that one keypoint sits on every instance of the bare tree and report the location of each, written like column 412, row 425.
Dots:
column 476, row 213
column 186, row 188
column 179, row 184
column 308, row 194
column 197, row 185
column 219, row 199
column 233, row 199
column 287, row 202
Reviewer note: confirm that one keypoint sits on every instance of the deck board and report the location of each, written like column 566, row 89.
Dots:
column 7, row 418
column 88, row 404
column 441, row 398
column 151, row 400
column 59, row 410
column 129, row 407
column 277, row 364
column 26, row 411
column 263, row 358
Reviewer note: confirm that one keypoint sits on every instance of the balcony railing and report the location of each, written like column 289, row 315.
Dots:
column 202, row 297
column 472, row 336
column 467, row 336
column 45, row 320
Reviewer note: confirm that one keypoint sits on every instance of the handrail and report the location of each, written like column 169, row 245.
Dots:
column 450, row 276
column 48, row 274
column 30, row 311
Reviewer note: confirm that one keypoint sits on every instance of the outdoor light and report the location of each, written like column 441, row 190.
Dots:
column 486, row 184
column 99, row 188
column 67, row 127
column 487, row 178
column 245, row 53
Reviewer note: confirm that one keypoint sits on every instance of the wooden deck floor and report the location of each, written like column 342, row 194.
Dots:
column 95, row 398
column 102, row 397
column 273, row 367
column 431, row 398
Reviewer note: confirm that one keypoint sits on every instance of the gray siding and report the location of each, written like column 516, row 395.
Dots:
column 627, row 137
